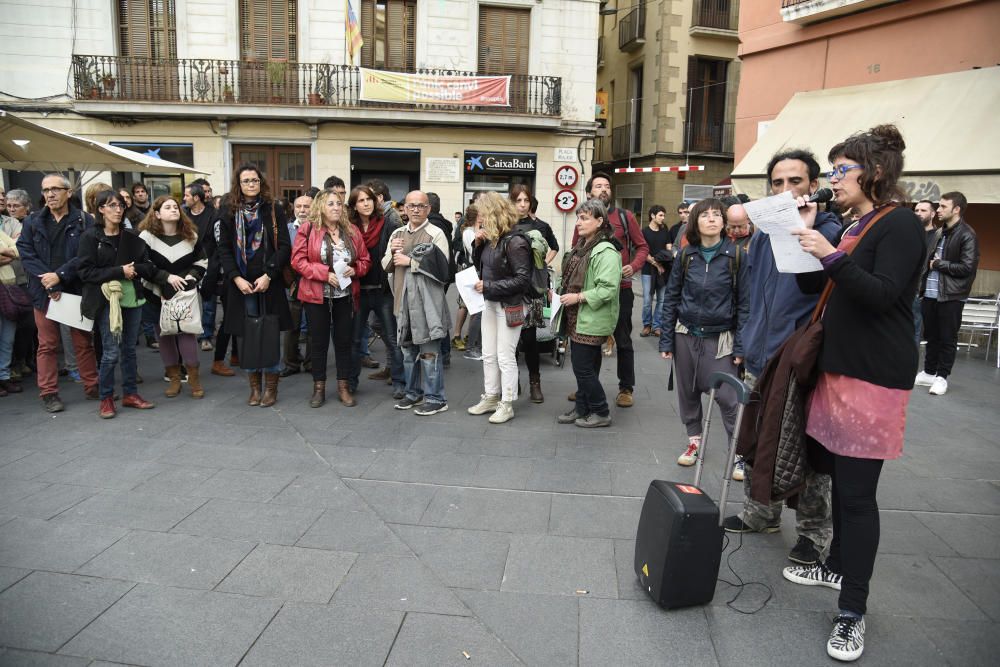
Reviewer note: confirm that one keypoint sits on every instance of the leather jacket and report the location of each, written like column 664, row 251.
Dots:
column 958, row 263
column 510, row 269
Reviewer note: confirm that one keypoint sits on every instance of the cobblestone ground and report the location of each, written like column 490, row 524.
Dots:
column 210, row 533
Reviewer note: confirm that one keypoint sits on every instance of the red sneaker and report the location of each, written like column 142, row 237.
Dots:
column 107, row 408
column 136, row 401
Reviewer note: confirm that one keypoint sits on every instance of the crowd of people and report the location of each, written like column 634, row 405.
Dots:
column 333, row 266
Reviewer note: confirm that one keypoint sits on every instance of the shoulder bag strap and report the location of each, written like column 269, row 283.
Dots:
column 828, row 289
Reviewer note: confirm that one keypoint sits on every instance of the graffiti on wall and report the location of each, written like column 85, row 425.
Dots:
column 915, row 191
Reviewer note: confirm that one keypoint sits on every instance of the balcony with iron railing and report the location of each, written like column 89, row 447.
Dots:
column 121, row 79
column 600, row 51
column 715, row 18
column 709, row 137
column 804, row 12
column 622, row 142
column 632, row 29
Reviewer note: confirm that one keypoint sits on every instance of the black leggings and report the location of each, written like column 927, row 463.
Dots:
column 222, row 339
column 338, row 315
column 529, row 344
column 855, row 522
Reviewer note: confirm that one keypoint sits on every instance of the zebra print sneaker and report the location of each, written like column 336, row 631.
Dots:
column 847, row 641
column 817, row 574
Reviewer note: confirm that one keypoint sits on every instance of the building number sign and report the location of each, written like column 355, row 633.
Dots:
column 566, row 200
column 566, row 176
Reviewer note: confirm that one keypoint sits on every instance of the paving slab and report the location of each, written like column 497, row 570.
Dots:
column 570, row 476
column 277, row 524
column 167, row 559
column 347, row 461
column 244, row 485
column 45, row 610
column 539, row 629
column 11, row 575
column 289, row 573
column 393, row 501
column 146, row 511
column 50, row 545
column 422, row 467
column 360, row 532
column 905, row 585
column 972, row 536
column 561, row 566
column 502, row 472
column 594, row 516
column 396, row 582
column 978, row 578
column 460, row 558
column 35, row 464
column 321, row 635
column 200, row 454
column 429, row 640
column 176, row 480
column 323, row 489
column 483, row 509
column 963, row 642
column 13, row 490
column 154, row 625
column 103, row 472
column 50, row 501
column 12, row 657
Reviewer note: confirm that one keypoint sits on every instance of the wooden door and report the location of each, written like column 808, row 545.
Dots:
column 287, row 169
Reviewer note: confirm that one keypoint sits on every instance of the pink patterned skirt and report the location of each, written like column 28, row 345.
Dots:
column 851, row 417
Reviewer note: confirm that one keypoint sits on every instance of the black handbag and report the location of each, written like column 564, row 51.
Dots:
column 15, row 302
column 261, row 344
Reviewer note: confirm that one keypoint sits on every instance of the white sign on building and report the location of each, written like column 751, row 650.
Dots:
column 443, row 170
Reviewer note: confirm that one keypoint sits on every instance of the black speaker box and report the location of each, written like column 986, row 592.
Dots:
column 678, row 546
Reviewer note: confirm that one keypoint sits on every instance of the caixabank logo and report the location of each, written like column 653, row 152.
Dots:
column 499, row 163
column 474, row 163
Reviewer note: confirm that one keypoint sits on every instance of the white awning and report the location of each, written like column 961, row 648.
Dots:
column 949, row 123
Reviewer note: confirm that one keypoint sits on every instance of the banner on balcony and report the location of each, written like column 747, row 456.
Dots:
column 479, row 91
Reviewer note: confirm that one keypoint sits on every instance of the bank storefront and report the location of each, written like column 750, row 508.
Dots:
column 497, row 172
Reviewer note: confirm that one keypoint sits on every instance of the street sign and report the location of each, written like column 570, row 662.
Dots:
column 566, row 176
column 566, row 200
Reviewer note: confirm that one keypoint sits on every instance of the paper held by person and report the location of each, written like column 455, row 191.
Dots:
column 67, row 311
column 339, row 267
column 777, row 217
column 465, row 282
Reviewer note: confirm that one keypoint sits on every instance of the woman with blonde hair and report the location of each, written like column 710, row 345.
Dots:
column 180, row 262
column 328, row 249
column 504, row 265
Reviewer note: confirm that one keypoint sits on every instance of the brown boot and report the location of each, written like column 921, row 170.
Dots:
column 174, row 377
column 270, row 396
column 535, row 389
column 220, row 368
column 194, row 381
column 254, row 388
column 380, row 375
column 344, row 393
column 319, row 394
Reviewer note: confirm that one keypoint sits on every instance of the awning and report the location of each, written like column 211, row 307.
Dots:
column 25, row 145
column 948, row 121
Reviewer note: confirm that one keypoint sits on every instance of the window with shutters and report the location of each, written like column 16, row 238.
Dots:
column 706, row 130
column 268, row 30
column 147, row 42
column 389, row 28
column 503, row 40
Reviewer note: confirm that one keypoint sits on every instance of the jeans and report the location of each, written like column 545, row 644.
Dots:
column 375, row 301
column 7, row 330
column 918, row 319
column 251, row 302
column 332, row 319
column 113, row 352
column 590, row 396
column 942, row 320
column 652, row 317
column 150, row 317
column 475, row 343
column 424, row 371
column 499, row 353
column 361, row 344
column 623, row 340
column 207, row 318
column 47, row 359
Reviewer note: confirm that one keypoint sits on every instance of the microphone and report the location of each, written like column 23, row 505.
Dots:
column 821, row 195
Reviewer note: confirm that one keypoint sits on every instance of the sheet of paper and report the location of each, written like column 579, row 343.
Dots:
column 555, row 306
column 465, row 282
column 777, row 217
column 339, row 267
column 67, row 311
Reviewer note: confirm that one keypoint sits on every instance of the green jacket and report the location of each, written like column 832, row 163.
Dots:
column 598, row 314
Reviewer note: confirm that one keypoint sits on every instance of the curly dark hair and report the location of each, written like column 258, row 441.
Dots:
column 880, row 152
column 236, row 192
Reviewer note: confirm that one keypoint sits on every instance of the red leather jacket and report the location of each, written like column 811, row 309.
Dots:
column 313, row 272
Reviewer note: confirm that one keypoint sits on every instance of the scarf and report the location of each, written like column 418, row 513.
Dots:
column 248, row 223
column 374, row 232
column 112, row 291
column 578, row 261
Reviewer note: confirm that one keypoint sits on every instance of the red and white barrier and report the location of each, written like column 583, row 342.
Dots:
column 655, row 170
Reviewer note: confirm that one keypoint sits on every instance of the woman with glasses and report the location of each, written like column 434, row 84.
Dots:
column 329, row 250
column 253, row 249
column 179, row 260
column 112, row 297
column 857, row 411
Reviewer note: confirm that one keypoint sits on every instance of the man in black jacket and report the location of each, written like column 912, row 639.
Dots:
column 947, row 283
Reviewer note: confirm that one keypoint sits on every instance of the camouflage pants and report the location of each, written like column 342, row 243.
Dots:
column 813, row 519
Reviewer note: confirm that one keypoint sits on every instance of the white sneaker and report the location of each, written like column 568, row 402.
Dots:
column 739, row 469
column 924, row 379
column 939, row 387
column 690, row 455
column 847, row 641
column 487, row 403
column 504, row 413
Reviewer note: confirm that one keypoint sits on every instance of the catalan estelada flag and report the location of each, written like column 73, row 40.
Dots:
column 353, row 33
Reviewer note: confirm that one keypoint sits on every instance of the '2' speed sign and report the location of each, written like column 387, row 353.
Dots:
column 566, row 200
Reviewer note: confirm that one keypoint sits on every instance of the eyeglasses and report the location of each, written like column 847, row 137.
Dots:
column 840, row 171
column 416, row 207
column 250, row 181
column 114, row 204
column 52, row 191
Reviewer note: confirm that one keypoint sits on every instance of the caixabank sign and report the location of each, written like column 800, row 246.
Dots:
column 478, row 162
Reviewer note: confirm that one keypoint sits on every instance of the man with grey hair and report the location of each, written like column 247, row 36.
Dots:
column 48, row 247
column 294, row 361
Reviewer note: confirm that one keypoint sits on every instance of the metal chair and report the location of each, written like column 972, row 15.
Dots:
column 979, row 317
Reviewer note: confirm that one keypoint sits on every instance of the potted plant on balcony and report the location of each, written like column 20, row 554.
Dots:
column 276, row 71
column 227, row 94
column 223, row 69
column 109, row 82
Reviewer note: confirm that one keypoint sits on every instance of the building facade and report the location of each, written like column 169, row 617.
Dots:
column 214, row 83
column 667, row 77
column 848, row 57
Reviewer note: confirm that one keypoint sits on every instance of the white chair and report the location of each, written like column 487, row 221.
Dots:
column 981, row 317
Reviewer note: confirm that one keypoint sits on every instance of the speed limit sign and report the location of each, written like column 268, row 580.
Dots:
column 566, row 200
column 566, row 176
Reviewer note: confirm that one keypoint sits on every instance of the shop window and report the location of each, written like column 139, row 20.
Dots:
column 389, row 28
column 503, row 40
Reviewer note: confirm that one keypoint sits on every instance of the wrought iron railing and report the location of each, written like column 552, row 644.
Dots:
column 621, row 141
column 200, row 81
column 792, row 3
column 708, row 137
column 632, row 29
column 719, row 14
column 600, row 50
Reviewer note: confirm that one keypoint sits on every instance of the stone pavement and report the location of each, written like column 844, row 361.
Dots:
column 210, row 533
